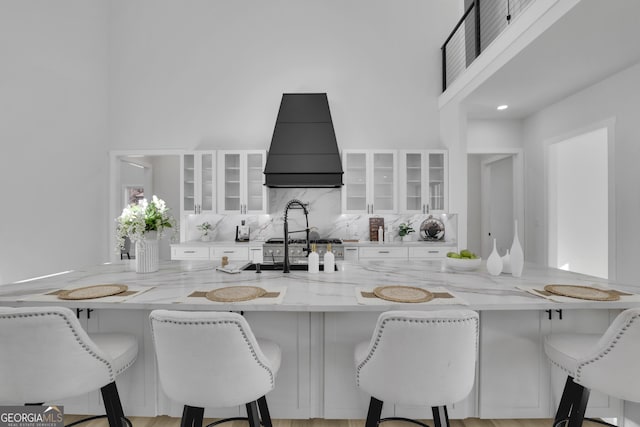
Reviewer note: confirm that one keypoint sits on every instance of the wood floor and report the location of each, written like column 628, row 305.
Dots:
column 164, row 421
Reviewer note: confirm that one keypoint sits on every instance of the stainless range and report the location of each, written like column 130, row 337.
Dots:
column 273, row 250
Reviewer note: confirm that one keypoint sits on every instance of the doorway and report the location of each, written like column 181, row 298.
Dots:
column 578, row 203
column 494, row 200
column 136, row 174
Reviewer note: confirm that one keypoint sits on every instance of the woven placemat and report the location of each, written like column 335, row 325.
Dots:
column 92, row 292
column 583, row 292
column 235, row 293
column 403, row 294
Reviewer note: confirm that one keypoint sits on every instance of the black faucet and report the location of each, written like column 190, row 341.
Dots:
column 290, row 204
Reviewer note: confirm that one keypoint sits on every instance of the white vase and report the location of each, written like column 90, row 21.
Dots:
column 506, row 263
column 494, row 262
column 148, row 253
column 517, row 255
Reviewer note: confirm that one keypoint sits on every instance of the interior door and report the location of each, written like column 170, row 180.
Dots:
column 498, row 203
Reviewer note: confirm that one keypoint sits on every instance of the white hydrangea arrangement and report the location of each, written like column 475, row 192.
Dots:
column 136, row 220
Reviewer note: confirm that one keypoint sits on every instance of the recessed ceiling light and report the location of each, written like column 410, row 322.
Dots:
column 503, row 107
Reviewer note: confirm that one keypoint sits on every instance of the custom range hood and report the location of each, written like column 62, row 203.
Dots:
column 304, row 152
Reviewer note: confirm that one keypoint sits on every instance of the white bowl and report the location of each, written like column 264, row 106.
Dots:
column 463, row 264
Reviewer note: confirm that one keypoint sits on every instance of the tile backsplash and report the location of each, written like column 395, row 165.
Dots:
column 325, row 217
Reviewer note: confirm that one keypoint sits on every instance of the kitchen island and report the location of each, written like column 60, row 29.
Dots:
column 319, row 321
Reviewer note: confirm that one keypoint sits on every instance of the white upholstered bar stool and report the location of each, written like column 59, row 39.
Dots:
column 419, row 358
column 212, row 359
column 46, row 356
column 607, row 363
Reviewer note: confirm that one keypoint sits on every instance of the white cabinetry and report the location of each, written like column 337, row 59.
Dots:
column 234, row 253
column 181, row 252
column 388, row 252
column 396, row 251
column 241, row 182
column 425, row 252
column 371, row 179
column 197, row 175
column 516, row 380
column 423, row 181
column 351, row 254
column 196, row 251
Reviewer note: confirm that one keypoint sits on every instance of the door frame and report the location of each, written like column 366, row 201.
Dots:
column 609, row 125
column 485, row 208
column 517, row 155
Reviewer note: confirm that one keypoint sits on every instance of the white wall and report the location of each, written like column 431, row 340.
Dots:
column 617, row 97
column 491, row 136
column 166, row 185
column 210, row 74
column 53, row 147
column 80, row 77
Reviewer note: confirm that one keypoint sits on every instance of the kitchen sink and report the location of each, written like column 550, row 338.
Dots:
column 279, row 266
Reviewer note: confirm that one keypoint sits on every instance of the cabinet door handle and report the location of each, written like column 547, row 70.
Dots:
column 228, row 252
column 189, row 252
column 434, row 252
column 351, row 249
column 383, row 252
column 424, row 210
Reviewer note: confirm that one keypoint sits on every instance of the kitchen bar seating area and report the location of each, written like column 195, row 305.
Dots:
column 318, row 319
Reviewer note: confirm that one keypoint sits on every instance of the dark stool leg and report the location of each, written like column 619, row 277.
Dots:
column 198, row 416
column 375, row 409
column 573, row 404
column 579, row 406
column 440, row 416
column 264, row 412
column 566, row 401
column 112, row 405
column 252, row 414
column 192, row 416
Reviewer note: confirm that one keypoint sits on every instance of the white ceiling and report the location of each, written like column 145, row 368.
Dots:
column 595, row 39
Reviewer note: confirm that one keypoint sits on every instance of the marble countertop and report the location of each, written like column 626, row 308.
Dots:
column 399, row 243
column 322, row 292
column 227, row 243
column 363, row 243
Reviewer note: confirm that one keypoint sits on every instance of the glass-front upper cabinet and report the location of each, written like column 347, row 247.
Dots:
column 423, row 181
column 241, row 182
column 370, row 181
column 198, row 182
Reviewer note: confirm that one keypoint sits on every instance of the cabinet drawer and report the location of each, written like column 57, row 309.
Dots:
column 429, row 252
column 350, row 254
column 194, row 252
column 383, row 252
column 233, row 253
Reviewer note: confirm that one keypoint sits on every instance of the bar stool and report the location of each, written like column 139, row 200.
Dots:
column 418, row 358
column 212, row 359
column 46, row 356
column 607, row 363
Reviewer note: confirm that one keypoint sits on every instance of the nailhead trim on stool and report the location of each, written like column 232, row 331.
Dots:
column 244, row 336
column 399, row 319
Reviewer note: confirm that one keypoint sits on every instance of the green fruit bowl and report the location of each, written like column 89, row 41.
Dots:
column 463, row 264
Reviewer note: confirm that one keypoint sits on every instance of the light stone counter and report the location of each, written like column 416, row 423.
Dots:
column 316, row 292
column 319, row 322
column 399, row 243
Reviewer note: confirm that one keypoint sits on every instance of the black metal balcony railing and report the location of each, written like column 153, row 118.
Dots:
column 481, row 23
